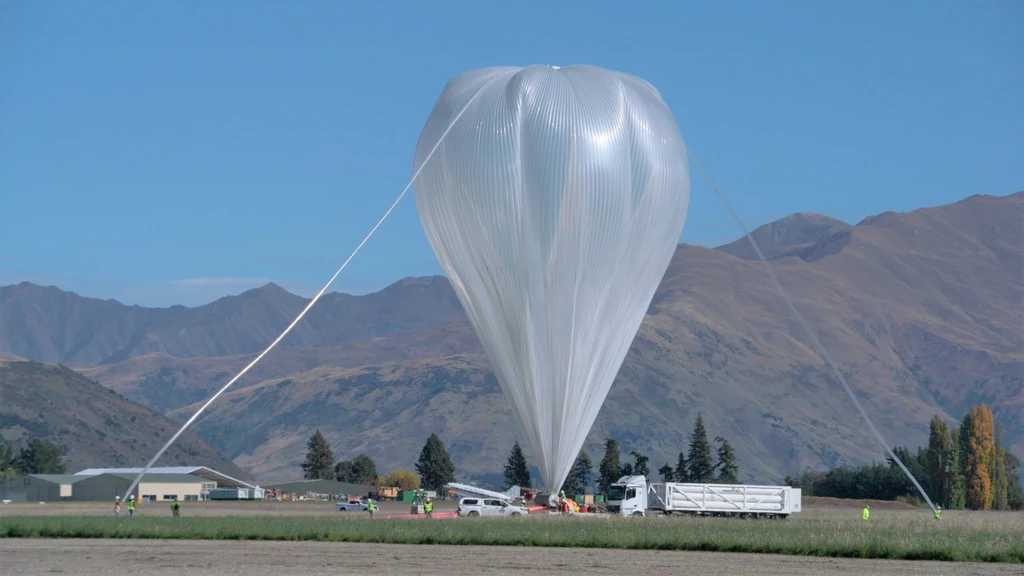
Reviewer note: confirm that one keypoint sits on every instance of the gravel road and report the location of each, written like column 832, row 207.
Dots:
column 233, row 558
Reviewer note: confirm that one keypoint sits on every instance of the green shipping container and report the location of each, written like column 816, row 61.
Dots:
column 406, row 495
column 579, row 499
column 599, row 499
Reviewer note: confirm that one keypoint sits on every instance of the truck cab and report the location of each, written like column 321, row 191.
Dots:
column 628, row 496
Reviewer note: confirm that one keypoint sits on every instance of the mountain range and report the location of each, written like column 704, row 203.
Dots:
column 923, row 311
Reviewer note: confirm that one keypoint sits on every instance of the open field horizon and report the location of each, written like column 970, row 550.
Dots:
column 892, row 533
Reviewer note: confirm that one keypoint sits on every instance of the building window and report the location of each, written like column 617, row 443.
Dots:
column 149, row 497
column 191, row 497
column 170, row 496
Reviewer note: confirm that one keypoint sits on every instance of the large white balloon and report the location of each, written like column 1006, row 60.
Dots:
column 554, row 205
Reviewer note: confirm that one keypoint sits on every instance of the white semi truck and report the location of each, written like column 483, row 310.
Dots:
column 633, row 496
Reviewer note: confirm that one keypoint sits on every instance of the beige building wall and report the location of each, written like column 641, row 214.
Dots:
column 169, row 491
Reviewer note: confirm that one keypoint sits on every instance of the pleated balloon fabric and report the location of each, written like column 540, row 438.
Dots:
column 554, row 206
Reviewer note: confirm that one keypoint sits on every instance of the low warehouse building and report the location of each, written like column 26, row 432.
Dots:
column 332, row 487
column 220, row 479
column 152, row 487
column 40, row 488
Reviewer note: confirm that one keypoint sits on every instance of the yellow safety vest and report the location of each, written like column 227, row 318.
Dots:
column 865, row 514
column 428, row 507
column 131, row 504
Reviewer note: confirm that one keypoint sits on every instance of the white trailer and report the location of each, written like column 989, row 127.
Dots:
column 723, row 499
column 632, row 496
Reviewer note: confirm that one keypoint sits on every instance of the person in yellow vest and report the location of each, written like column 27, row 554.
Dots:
column 175, row 507
column 866, row 512
column 131, row 506
column 370, row 507
column 428, row 508
column 938, row 512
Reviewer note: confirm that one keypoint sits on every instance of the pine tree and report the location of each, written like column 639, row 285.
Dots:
column 319, row 464
column 699, row 461
column 582, row 471
column 8, row 461
column 640, row 467
column 978, row 459
column 668, row 473
column 682, row 472
column 571, row 481
column 435, row 466
column 728, row 471
column 516, row 473
column 940, row 451
column 957, row 489
column 610, row 471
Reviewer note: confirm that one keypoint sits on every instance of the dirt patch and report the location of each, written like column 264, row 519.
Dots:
column 230, row 558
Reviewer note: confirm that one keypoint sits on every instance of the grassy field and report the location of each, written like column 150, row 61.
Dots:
column 984, row 537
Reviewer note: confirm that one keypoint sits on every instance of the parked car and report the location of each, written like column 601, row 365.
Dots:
column 352, row 505
column 488, row 507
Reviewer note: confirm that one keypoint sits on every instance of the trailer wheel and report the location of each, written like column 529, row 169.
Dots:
column 638, row 514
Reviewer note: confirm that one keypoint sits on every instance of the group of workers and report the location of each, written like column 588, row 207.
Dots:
column 130, row 504
column 428, row 507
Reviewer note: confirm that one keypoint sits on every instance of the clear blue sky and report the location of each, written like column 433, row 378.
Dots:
column 172, row 152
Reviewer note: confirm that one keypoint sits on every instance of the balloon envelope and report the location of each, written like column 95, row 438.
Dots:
column 554, row 205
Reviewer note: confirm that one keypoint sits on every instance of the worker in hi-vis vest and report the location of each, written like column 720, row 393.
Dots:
column 938, row 512
column 175, row 507
column 131, row 506
column 370, row 507
column 866, row 512
column 428, row 508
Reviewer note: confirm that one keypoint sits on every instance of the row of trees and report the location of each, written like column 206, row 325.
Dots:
column 695, row 465
column 434, row 468
column 962, row 467
column 36, row 457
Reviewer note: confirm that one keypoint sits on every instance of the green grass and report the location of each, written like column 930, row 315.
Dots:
column 975, row 537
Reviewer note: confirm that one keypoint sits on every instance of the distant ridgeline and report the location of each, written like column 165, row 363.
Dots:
column 961, row 468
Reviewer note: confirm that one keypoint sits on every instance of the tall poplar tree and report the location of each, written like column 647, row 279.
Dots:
column 957, row 489
column 940, row 451
column 978, row 457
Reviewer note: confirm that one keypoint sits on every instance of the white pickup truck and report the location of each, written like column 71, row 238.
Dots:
column 632, row 496
column 473, row 507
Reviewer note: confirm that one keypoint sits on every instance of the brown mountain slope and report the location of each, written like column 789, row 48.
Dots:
column 166, row 383
column 50, row 325
column 921, row 310
column 93, row 425
column 789, row 236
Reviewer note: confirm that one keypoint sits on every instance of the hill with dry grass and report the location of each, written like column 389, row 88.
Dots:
column 923, row 311
column 94, row 426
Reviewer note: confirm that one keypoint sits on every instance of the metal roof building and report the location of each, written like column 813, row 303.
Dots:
column 40, row 488
column 222, row 480
column 152, row 487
